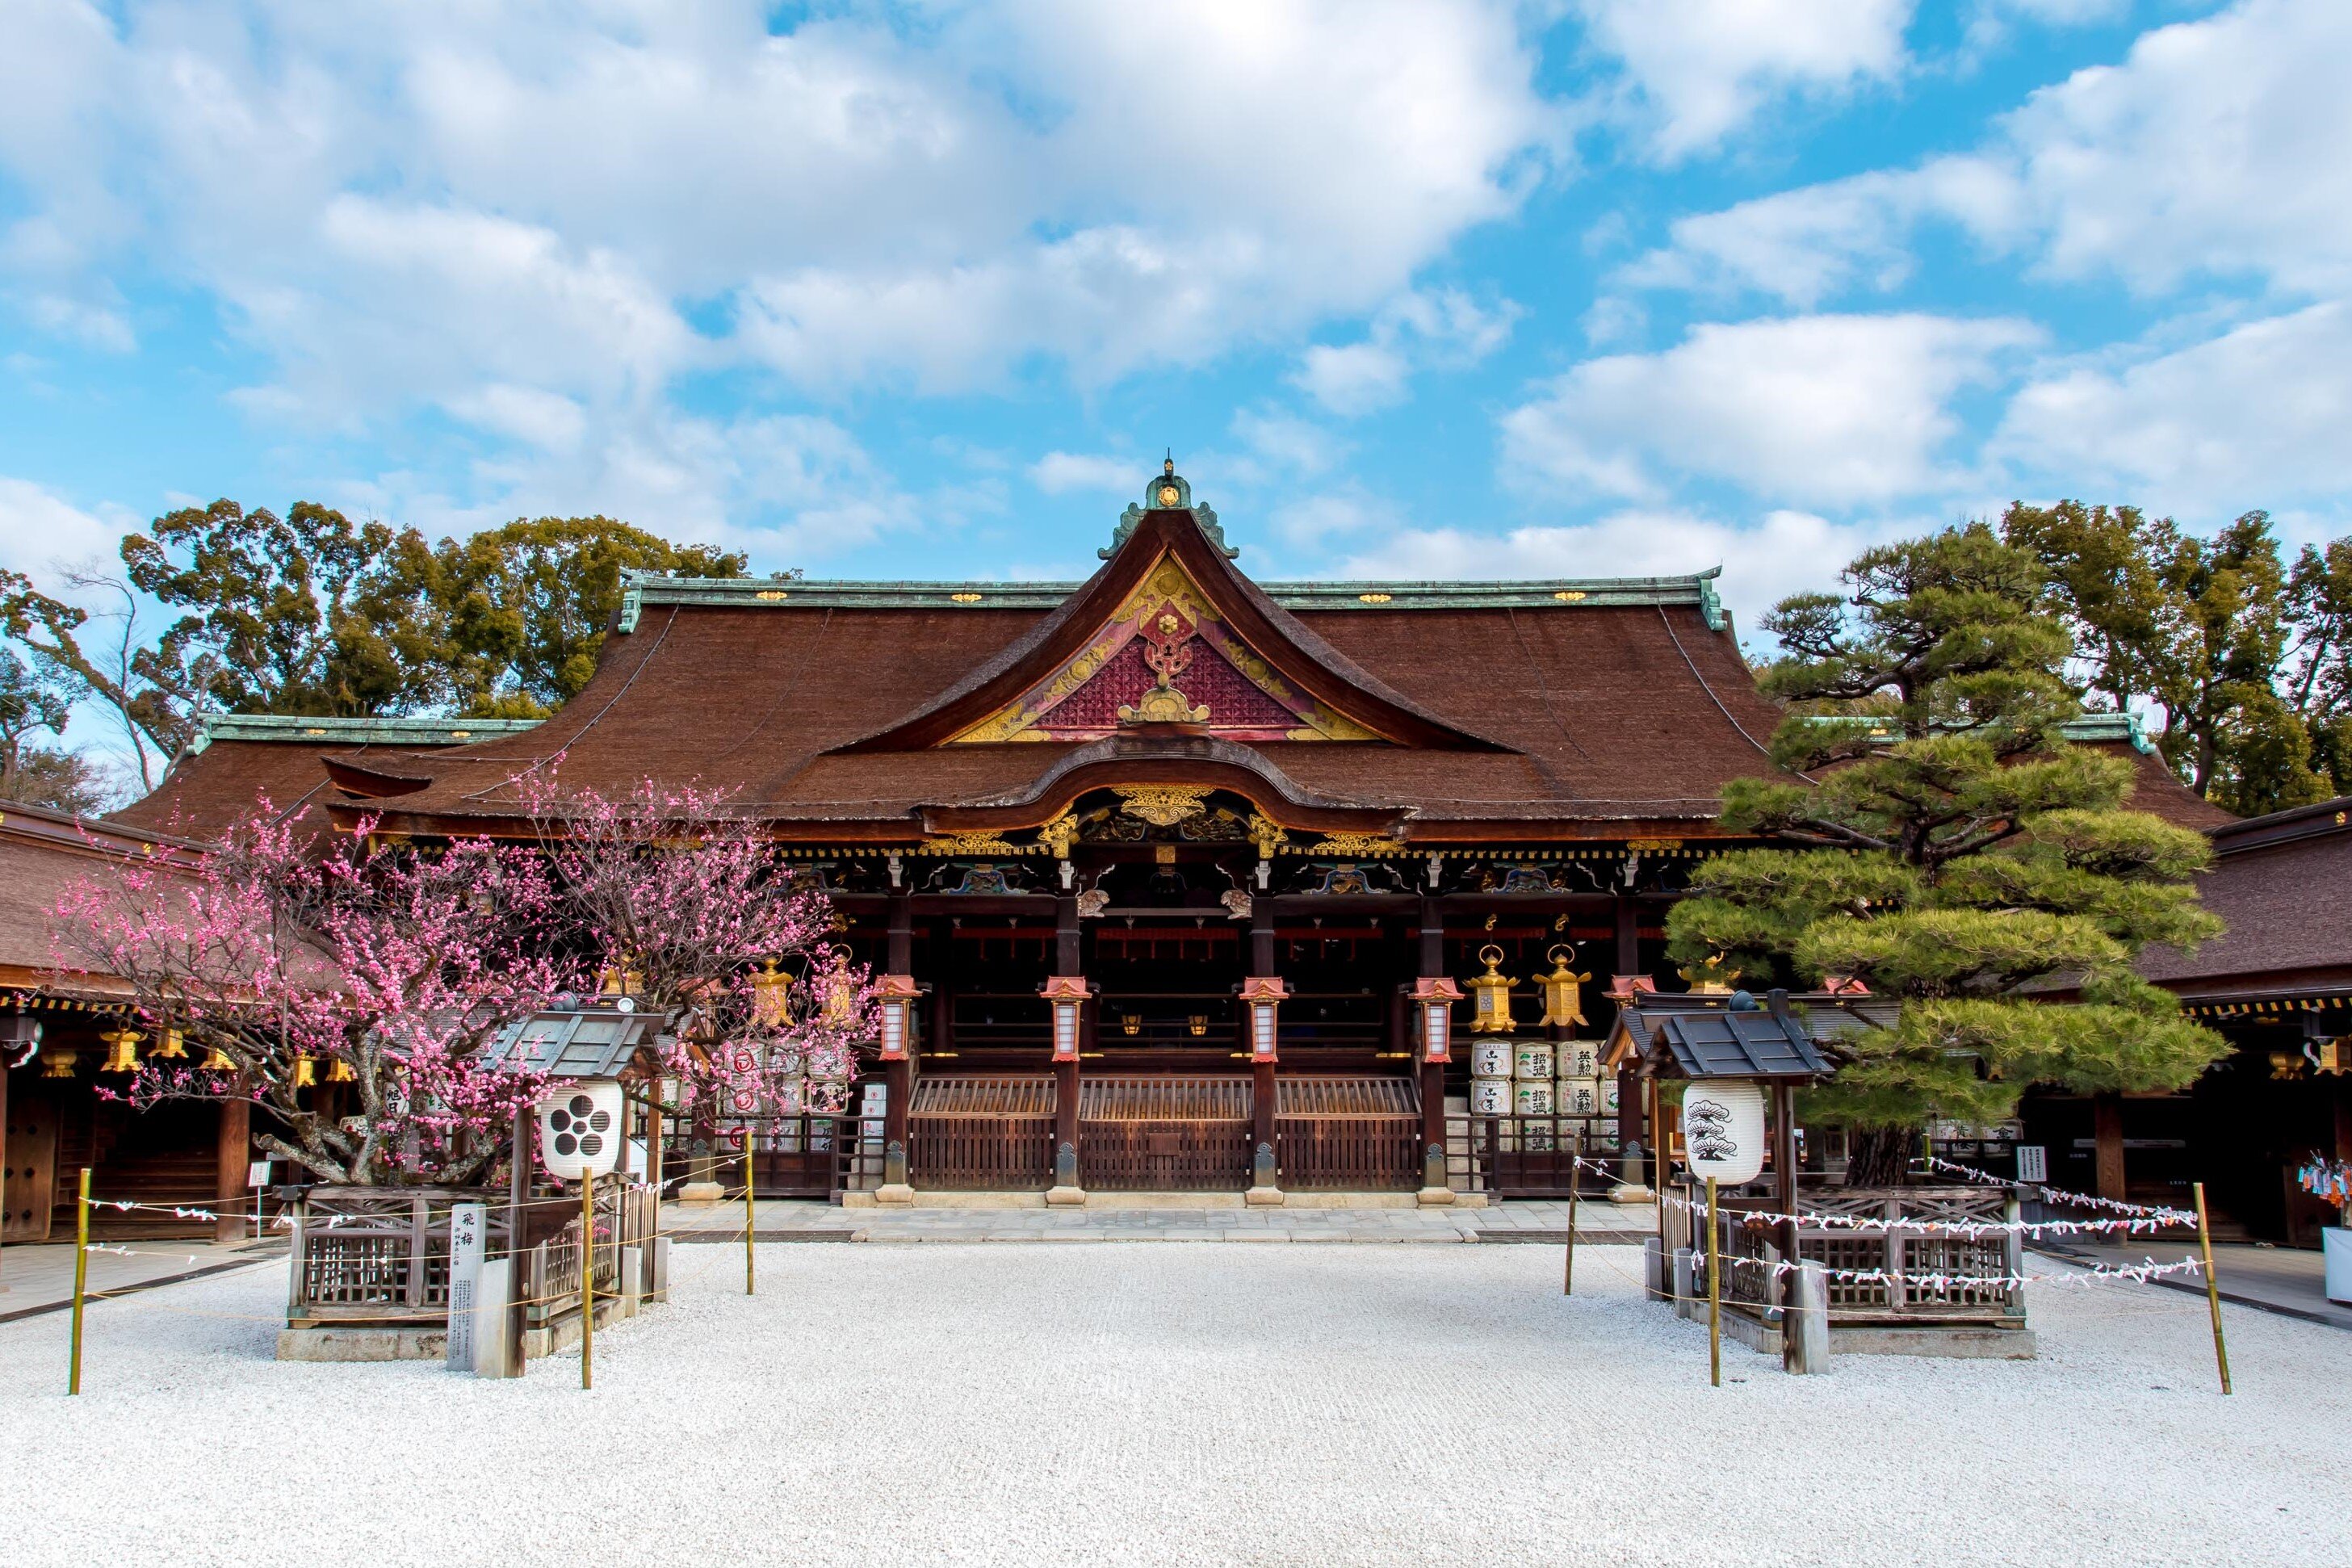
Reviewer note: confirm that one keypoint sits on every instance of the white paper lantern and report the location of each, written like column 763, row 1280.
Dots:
column 580, row 1130
column 1723, row 1131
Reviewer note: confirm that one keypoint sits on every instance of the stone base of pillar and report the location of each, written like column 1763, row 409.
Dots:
column 1065, row 1197
column 1435, row 1197
column 1265, row 1197
column 701, row 1194
column 1631, row 1194
column 894, row 1193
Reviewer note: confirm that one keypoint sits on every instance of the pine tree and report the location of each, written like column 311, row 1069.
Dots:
column 1949, row 848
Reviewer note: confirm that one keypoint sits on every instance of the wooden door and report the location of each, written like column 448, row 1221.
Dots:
column 28, row 1170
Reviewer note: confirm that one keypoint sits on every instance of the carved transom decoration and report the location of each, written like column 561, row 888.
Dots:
column 1166, row 657
column 1163, row 806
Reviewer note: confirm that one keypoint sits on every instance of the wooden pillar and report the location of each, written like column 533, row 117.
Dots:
column 2343, row 1121
column 1628, row 937
column 1068, row 959
column 2108, row 1144
column 1263, row 1088
column 942, row 1009
column 233, row 1159
column 1433, row 1074
column 899, row 1077
column 1784, row 1189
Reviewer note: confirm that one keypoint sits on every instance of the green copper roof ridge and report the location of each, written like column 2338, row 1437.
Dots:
column 642, row 588
column 372, row 731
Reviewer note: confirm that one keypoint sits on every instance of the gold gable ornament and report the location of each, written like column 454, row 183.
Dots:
column 1163, row 806
column 1712, row 978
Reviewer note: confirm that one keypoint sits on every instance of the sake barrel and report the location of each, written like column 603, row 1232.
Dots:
column 1578, row 1097
column 1531, row 1063
column 1532, row 1097
column 1490, row 1097
column 1580, row 1058
column 1490, row 1059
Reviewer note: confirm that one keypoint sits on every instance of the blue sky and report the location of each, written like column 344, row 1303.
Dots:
column 1585, row 287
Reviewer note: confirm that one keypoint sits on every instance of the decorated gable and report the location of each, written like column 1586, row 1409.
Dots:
column 1166, row 658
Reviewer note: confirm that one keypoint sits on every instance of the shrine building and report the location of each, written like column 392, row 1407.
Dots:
column 1193, row 882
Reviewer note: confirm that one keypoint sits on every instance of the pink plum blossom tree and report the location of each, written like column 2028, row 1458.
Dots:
column 344, row 986
column 689, row 908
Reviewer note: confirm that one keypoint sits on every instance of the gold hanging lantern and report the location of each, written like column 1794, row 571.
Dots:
column 1198, row 1023
column 771, row 996
column 840, row 1000
column 216, row 1060
column 1563, row 993
column 121, row 1051
column 340, row 1071
column 1130, row 1022
column 1490, row 1008
column 306, row 1072
column 59, row 1062
column 169, row 1045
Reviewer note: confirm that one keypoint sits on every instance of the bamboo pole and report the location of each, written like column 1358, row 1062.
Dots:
column 1575, row 1170
column 2212, row 1289
column 81, row 1279
column 587, row 1278
column 751, row 1215
column 1714, row 1298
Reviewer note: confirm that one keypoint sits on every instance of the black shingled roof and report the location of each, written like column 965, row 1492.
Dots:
column 1736, row 1045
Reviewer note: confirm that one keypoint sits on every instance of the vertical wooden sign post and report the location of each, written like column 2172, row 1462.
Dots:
column 1714, row 1298
column 81, row 1279
column 750, row 1216
column 2212, row 1289
column 587, row 1278
column 1575, row 1170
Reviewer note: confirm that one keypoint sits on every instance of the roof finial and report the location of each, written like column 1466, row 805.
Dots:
column 1169, row 466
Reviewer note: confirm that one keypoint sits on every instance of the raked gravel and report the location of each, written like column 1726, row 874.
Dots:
column 1136, row 1402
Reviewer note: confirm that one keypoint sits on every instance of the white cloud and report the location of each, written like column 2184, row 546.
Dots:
column 1763, row 561
column 2252, row 417
column 1443, row 327
column 1353, row 378
column 1808, row 409
column 543, row 419
column 40, row 531
column 1282, row 445
column 1700, row 69
column 1058, row 473
column 2216, row 149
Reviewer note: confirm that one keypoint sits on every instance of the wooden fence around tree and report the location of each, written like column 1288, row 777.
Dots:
column 1921, row 1269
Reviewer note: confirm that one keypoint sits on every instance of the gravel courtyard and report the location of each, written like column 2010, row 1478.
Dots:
column 1148, row 1402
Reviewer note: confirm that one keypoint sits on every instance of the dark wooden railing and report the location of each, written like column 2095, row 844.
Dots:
column 812, row 1154
column 980, row 1153
column 1334, row 1153
column 1532, row 1156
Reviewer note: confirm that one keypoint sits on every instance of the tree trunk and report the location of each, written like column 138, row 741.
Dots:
column 1877, row 1157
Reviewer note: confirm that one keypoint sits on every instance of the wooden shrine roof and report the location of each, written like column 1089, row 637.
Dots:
column 845, row 713
column 2283, row 885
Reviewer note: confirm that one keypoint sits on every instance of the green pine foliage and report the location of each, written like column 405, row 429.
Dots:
column 1945, row 845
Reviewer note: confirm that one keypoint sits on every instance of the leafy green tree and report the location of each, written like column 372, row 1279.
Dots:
column 1949, row 848
column 308, row 614
column 103, row 655
column 524, row 608
column 32, row 701
column 62, row 780
column 2318, row 683
column 2197, row 626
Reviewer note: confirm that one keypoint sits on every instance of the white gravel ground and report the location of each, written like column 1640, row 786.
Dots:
column 1139, row 1402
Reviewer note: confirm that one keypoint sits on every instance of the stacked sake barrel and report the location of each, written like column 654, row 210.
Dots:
column 1581, row 1087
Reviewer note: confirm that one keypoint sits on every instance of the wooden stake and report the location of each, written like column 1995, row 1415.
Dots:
column 1575, row 1170
column 587, row 1277
column 751, row 1215
column 81, row 1279
column 1714, row 1298
column 2212, row 1289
